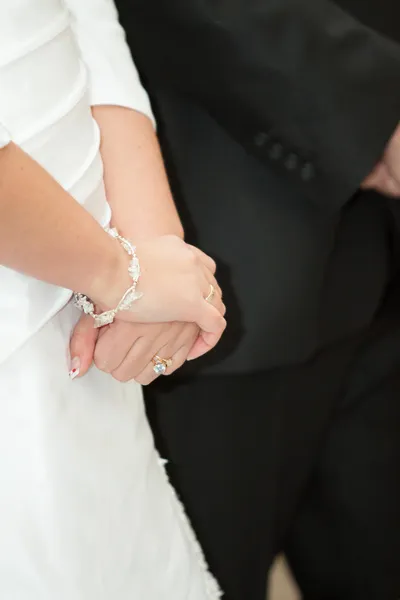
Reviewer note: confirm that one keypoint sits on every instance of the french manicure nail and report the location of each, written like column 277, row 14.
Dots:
column 75, row 368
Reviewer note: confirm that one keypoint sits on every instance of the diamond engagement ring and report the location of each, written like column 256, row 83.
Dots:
column 211, row 294
column 161, row 364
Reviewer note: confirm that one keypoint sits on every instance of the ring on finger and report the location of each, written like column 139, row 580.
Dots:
column 211, row 294
column 160, row 365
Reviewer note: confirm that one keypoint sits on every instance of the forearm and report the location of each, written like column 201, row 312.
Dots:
column 46, row 234
column 135, row 179
column 304, row 86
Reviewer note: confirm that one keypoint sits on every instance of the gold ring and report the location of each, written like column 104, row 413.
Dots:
column 161, row 364
column 211, row 295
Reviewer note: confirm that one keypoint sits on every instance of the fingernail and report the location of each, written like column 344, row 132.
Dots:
column 75, row 368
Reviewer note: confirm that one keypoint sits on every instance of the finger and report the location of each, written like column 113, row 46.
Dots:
column 148, row 375
column 209, row 320
column 114, row 344
column 212, row 338
column 136, row 360
column 205, row 259
column 210, row 287
column 208, row 283
column 179, row 359
column 204, row 343
column 187, row 341
column 82, row 346
column 138, row 363
column 177, row 351
column 216, row 301
column 212, row 282
column 200, row 348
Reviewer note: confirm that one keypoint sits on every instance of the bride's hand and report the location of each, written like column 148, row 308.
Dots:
column 176, row 279
column 126, row 350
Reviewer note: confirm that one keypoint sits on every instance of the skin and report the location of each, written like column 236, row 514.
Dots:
column 63, row 245
column 143, row 209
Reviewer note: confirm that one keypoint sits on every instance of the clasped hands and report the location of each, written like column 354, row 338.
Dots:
column 172, row 320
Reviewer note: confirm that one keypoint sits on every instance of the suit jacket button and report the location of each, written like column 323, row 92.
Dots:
column 307, row 171
column 291, row 161
column 261, row 138
column 275, row 151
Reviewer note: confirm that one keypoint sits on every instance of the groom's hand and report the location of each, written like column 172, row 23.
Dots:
column 385, row 178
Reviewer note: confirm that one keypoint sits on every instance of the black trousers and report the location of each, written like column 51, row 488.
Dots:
column 303, row 460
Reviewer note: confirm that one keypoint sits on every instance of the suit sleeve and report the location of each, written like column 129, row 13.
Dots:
column 301, row 84
column 112, row 73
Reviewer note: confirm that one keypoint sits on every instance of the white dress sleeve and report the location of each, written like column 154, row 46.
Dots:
column 5, row 137
column 113, row 76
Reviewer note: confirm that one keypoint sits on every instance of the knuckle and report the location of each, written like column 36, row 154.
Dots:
column 191, row 259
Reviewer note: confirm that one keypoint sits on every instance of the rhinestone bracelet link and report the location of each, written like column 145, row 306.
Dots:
column 131, row 295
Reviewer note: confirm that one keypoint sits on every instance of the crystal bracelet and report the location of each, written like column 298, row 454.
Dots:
column 131, row 295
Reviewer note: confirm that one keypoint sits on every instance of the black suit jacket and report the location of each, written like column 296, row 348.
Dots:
column 271, row 112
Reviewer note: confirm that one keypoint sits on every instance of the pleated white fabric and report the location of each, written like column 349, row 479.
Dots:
column 86, row 511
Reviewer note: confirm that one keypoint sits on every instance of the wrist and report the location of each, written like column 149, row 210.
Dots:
column 172, row 226
column 111, row 279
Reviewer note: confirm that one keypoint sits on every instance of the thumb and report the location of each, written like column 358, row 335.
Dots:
column 82, row 345
column 199, row 348
column 204, row 343
column 210, row 321
column 212, row 325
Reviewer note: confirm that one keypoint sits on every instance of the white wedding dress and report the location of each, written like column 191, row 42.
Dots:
column 86, row 511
